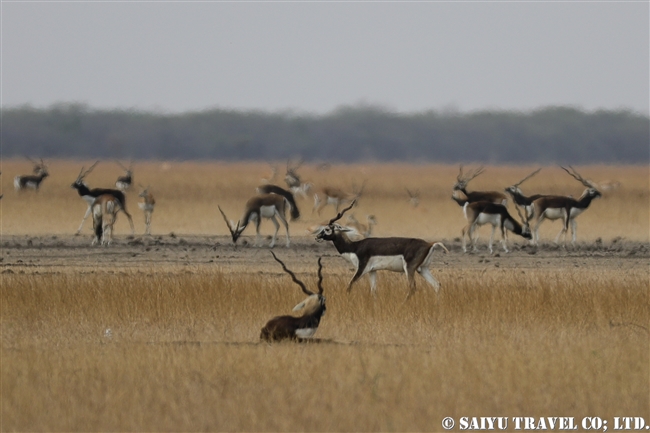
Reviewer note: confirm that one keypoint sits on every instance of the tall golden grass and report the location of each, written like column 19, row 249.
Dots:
column 188, row 193
column 179, row 351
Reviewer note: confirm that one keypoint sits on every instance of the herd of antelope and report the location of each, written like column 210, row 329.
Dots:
column 352, row 240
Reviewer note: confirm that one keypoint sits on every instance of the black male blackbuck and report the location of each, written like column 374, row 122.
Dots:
column 32, row 181
column 460, row 187
column 312, row 309
column 565, row 208
column 270, row 206
column 522, row 200
column 89, row 196
column 485, row 212
column 408, row 255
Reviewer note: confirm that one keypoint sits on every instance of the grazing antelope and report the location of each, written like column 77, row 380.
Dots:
column 334, row 196
column 89, row 196
column 461, row 187
column 408, row 255
column 32, row 181
column 479, row 213
column 359, row 229
column 124, row 183
column 274, row 189
column 271, row 206
column 561, row 207
column 104, row 208
column 312, row 308
column 520, row 199
column 146, row 203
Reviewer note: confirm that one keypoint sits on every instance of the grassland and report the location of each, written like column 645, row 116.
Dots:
column 130, row 344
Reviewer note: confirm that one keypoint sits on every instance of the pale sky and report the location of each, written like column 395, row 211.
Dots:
column 316, row 56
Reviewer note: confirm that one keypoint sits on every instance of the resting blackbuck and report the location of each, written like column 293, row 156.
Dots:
column 312, row 308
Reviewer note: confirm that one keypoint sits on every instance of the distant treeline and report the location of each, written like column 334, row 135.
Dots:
column 348, row 134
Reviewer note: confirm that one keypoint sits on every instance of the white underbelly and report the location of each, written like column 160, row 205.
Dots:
column 267, row 211
column 484, row 218
column 305, row 332
column 554, row 213
column 576, row 211
column 387, row 263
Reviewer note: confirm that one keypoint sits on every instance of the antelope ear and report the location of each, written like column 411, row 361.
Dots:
column 300, row 306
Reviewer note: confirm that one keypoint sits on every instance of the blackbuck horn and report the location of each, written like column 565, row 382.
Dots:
column 527, row 177
column 225, row 218
column 83, row 174
column 573, row 173
column 340, row 214
column 469, row 176
column 297, row 281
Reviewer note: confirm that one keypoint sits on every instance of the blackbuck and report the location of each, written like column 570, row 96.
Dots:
column 104, row 208
column 408, row 255
column 479, row 213
column 359, row 229
column 335, row 196
column 520, row 199
column 414, row 197
column 147, row 203
column 270, row 206
column 312, row 309
column 565, row 208
column 274, row 189
column 124, row 183
column 471, row 196
column 293, row 180
column 89, row 196
column 32, row 181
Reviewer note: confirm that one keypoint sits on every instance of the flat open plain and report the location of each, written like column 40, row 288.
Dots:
column 161, row 332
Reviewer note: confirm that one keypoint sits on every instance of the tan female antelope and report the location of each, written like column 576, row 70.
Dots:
column 565, row 208
column 305, row 326
column 146, row 203
column 408, row 255
column 271, row 206
column 104, row 209
column 471, row 196
column 484, row 212
column 334, row 196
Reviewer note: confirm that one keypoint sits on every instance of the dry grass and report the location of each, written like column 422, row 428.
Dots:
column 176, row 347
column 182, row 352
column 187, row 195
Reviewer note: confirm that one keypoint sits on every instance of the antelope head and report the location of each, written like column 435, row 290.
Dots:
column 127, row 171
column 592, row 189
column 329, row 232
column 414, row 197
column 235, row 230
column 314, row 301
column 514, row 189
column 463, row 179
column 82, row 175
column 526, row 233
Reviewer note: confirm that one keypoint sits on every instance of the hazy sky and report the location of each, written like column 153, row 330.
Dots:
column 316, row 56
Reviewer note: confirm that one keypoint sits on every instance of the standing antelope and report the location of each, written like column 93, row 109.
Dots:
column 408, row 255
column 89, row 196
column 479, row 213
column 274, row 189
column 124, row 183
column 520, row 199
column 472, row 196
column 146, row 203
column 271, row 206
column 104, row 208
column 566, row 208
column 414, row 197
column 293, row 180
column 334, row 196
column 305, row 326
column 33, row 181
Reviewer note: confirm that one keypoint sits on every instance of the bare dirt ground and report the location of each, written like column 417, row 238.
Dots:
column 62, row 254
